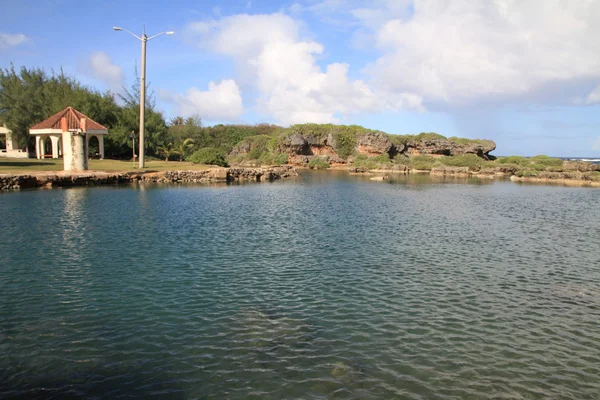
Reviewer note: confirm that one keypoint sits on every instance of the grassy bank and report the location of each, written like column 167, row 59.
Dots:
column 16, row 165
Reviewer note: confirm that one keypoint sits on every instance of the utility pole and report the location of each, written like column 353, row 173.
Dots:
column 144, row 39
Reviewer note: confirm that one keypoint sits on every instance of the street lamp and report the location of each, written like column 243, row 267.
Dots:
column 143, row 39
column 133, row 136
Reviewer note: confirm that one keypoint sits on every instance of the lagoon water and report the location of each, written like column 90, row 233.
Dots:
column 325, row 286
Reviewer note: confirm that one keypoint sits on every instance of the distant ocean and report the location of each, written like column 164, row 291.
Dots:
column 590, row 159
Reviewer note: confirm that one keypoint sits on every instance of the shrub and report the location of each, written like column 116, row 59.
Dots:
column 545, row 161
column 523, row 173
column 318, row 163
column 517, row 160
column 429, row 136
column 472, row 161
column 376, row 162
column 273, row 159
column 209, row 156
column 423, row 162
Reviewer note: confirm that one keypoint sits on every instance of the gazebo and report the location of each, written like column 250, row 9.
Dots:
column 12, row 146
column 65, row 121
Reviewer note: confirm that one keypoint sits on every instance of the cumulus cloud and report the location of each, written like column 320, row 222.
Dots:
column 99, row 66
column 461, row 51
column 222, row 101
column 594, row 96
column 8, row 40
column 273, row 57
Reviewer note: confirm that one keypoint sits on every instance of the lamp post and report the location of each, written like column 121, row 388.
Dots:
column 144, row 39
column 133, row 136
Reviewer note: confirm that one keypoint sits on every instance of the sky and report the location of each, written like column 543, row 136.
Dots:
column 524, row 73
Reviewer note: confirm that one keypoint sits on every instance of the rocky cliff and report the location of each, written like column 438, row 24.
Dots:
column 338, row 144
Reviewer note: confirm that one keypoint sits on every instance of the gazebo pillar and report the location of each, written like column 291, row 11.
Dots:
column 54, row 140
column 38, row 147
column 101, row 146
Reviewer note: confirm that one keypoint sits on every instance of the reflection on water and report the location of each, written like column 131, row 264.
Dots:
column 326, row 286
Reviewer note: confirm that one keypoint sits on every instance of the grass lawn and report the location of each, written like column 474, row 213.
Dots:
column 25, row 165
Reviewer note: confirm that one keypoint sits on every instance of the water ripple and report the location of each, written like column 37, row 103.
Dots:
column 324, row 287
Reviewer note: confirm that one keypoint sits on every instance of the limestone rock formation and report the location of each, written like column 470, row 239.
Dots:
column 443, row 147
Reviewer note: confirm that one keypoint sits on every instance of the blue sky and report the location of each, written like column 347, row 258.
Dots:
column 525, row 74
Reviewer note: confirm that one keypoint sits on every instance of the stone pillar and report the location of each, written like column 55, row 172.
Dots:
column 101, row 146
column 38, row 147
column 54, row 140
column 74, row 147
column 11, row 142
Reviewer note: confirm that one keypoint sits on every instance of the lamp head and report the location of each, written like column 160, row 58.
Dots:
column 116, row 28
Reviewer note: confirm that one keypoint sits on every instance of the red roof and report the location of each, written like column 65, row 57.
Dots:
column 73, row 121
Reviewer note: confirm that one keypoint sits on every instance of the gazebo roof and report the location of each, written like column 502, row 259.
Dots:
column 73, row 121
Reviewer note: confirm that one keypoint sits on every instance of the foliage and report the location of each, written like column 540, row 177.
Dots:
column 546, row 161
column 184, row 147
column 517, row 160
column 423, row 162
column 377, row 162
column 209, row 156
column 318, row 163
column 411, row 139
column 467, row 142
column 28, row 96
column 167, row 151
column 472, row 161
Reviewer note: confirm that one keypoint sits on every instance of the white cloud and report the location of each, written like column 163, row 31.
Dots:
column 8, row 40
column 293, row 88
column 459, row 52
column 594, row 96
column 99, row 66
column 222, row 101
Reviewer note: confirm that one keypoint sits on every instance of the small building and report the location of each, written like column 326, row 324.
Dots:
column 67, row 134
column 12, row 145
column 48, row 133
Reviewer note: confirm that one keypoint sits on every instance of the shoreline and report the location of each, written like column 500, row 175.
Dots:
column 45, row 179
column 52, row 179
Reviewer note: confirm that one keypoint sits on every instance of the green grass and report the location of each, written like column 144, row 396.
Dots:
column 27, row 165
column 472, row 161
column 318, row 163
column 423, row 162
column 377, row 162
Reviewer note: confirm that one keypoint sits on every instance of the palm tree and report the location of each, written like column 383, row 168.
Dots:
column 183, row 147
column 167, row 150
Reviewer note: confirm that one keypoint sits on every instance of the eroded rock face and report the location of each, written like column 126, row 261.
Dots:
column 440, row 147
column 374, row 144
column 301, row 146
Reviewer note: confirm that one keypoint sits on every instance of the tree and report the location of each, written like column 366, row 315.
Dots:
column 31, row 95
column 184, row 147
column 167, row 150
column 22, row 102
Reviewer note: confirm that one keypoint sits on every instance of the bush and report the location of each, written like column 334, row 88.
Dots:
column 423, row 162
column 377, row 162
column 318, row 163
column 273, row 159
column 524, row 173
column 209, row 156
column 407, row 139
column 545, row 161
column 517, row 160
column 472, row 161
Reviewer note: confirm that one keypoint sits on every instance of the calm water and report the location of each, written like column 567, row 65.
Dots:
column 327, row 286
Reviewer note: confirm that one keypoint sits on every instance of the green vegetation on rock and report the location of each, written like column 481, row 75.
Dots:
column 318, row 163
column 209, row 156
